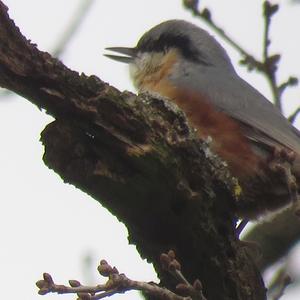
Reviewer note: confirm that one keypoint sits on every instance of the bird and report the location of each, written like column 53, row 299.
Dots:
column 186, row 65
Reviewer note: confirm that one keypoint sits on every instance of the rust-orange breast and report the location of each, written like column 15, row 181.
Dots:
column 228, row 140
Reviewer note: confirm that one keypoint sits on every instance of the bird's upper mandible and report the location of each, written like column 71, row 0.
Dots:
column 184, row 63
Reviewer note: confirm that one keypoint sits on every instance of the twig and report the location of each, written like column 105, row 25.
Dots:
column 270, row 62
column 118, row 283
column 170, row 264
column 206, row 16
column 293, row 116
column 76, row 21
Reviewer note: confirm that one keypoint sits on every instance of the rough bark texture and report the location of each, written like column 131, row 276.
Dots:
column 138, row 157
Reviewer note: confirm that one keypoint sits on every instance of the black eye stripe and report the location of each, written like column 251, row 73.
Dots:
column 167, row 41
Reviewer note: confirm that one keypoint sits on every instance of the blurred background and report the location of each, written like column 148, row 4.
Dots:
column 49, row 226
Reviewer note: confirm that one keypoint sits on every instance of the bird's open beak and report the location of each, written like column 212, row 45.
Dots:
column 129, row 52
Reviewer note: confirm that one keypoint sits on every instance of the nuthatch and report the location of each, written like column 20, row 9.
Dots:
column 185, row 64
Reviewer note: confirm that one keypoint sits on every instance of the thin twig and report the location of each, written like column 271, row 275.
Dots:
column 118, row 283
column 293, row 116
column 270, row 62
column 171, row 264
column 206, row 16
column 72, row 28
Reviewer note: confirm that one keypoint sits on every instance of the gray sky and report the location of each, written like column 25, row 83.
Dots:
column 46, row 225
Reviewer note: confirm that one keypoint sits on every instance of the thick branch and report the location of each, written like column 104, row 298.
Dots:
column 138, row 157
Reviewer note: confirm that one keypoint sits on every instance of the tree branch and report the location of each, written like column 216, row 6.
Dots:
column 119, row 283
column 72, row 28
column 294, row 115
column 137, row 157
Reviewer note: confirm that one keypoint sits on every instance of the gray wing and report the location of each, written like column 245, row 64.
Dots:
column 231, row 94
column 248, row 106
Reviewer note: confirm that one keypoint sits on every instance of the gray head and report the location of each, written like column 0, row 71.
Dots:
column 193, row 43
column 179, row 38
